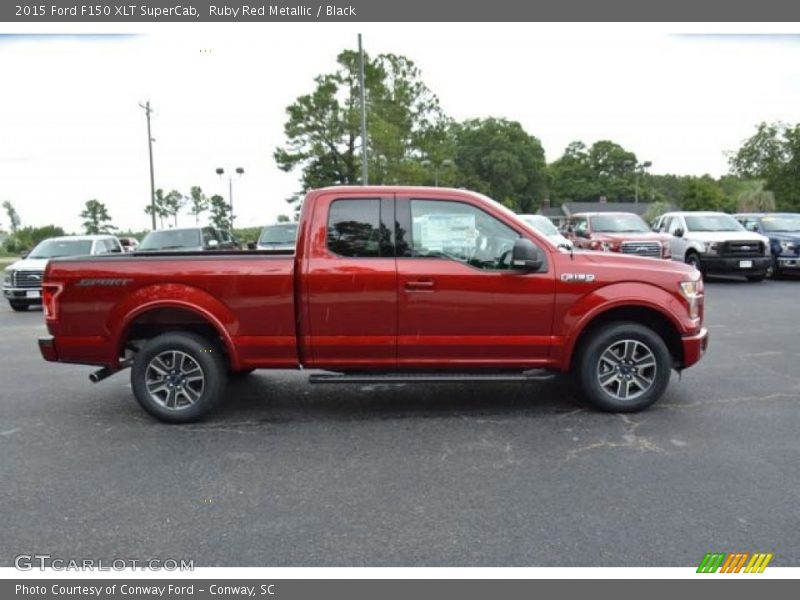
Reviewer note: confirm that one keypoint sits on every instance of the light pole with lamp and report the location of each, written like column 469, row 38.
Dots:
column 437, row 167
column 221, row 172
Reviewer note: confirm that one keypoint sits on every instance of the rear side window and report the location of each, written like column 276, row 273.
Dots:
column 355, row 229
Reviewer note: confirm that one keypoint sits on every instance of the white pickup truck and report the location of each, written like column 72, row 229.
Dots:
column 715, row 242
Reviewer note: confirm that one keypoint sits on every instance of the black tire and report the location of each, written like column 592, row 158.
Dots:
column 693, row 259
column 191, row 400
column 589, row 369
column 18, row 306
column 757, row 278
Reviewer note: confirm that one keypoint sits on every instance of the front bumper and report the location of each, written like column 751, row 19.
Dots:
column 29, row 294
column 740, row 266
column 788, row 263
column 694, row 346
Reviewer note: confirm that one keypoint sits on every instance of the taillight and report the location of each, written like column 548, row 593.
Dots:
column 50, row 293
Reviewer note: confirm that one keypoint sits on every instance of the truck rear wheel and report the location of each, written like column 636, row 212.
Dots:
column 178, row 377
column 623, row 367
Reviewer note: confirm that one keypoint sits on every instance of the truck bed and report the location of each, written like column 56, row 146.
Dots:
column 247, row 297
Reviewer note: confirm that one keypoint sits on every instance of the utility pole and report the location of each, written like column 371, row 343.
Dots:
column 150, row 140
column 364, row 157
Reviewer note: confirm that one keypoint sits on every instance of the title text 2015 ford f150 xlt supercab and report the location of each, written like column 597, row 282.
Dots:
column 386, row 284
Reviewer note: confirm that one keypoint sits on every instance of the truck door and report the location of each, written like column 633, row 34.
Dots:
column 460, row 303
column 351, row 284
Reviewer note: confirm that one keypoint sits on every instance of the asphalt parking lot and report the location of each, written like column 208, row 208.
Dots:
column 287, row 474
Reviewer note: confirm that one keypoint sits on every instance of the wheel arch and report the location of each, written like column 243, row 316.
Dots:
column 147, row 319
column 647, row 315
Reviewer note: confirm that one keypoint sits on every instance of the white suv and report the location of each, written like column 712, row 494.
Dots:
column 715, row 242
column 22, row 280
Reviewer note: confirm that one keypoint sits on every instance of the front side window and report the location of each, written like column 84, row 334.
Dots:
column 461, row 232
column 355, row 229
column 674, row 225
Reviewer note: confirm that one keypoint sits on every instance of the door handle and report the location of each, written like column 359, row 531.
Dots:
column 419, row 286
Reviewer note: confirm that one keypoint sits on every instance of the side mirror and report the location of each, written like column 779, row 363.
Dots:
column 213, row 244
column 678, row 232
column 23, row 254
column 251, row 245
column 754, row 227
column 526, row 256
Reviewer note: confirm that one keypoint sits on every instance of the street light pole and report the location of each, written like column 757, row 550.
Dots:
column 221, row 172
column 364, row 150
column 640, row 169
column 150, row 140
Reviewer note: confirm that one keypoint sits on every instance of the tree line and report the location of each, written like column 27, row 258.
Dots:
column 412, row 141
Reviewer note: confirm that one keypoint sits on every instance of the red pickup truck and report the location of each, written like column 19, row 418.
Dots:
column 387, row 284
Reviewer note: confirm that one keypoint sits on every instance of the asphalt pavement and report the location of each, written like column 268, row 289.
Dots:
column 511, row 474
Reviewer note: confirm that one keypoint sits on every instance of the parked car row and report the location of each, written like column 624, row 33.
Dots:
column 752, row 245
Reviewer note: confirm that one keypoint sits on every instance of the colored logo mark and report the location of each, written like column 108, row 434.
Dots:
column 735, row 562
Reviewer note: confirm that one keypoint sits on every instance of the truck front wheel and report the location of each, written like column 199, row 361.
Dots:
column 178, row 377
column 623, row 367
column 18, row 306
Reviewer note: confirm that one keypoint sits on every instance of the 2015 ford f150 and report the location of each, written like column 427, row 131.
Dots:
column 386, row 284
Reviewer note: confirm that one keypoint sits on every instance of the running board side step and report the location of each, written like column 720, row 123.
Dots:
column 535, row 375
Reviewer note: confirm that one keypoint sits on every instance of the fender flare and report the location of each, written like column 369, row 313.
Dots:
column 619, row 295
column 172, row 295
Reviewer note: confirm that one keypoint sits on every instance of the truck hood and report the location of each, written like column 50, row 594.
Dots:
column 785, row 236
column 725, row 236
column 641, row 236
column 638, row 265
column 28, row 264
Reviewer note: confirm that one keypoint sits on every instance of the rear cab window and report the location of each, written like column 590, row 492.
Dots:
column 356, row 229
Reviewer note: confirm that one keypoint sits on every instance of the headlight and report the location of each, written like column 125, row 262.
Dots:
column 7, row 276
column 693, row 292
column 712, row 247
column 788, row 246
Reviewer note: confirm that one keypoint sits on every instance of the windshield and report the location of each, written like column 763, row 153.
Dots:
column 712, row 223
column 55, row 248
column 541, row 224
column 278, row 234
column 171, row 239
column 619, row 224
column 784, row 223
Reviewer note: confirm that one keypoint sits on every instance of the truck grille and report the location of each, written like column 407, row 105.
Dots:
column 651, row 249
column 27, row 279
column 742, row 249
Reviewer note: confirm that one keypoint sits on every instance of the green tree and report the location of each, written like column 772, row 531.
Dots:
column 283, row 219
column 405, row 122
column 586, row 173
column 655, row 210
column 13, row 216
column 26, row 238
column 173, row 202
column 198, row 203
column 96, row 218
column 161, row 209
column 220, row 212
column 704, row 193
column 571, row 177
column 500, row 159
column 772, row 154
